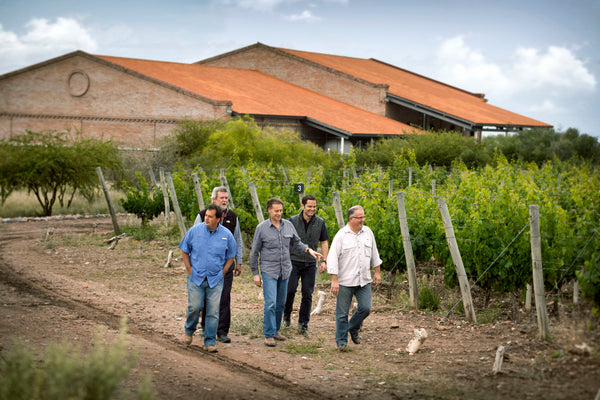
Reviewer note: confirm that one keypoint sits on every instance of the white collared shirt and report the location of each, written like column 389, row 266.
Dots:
column 352, row 255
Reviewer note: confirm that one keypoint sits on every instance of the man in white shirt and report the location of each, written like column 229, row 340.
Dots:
column 352, row 254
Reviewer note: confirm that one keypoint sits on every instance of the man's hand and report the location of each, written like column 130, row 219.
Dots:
column 313, row 253
column 335, row 287
column 257, row 280
column 322, row 266
column 238, row 270
column 377, row 278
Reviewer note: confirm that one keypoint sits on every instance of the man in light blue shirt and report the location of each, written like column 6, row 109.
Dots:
column 208, row 252
column 273, row 239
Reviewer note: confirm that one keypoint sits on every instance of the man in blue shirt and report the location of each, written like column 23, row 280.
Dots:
column 208, row 252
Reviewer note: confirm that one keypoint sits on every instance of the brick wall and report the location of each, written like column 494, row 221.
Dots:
column 81, row 93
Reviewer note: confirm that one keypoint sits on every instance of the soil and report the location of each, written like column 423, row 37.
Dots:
column 60, row 279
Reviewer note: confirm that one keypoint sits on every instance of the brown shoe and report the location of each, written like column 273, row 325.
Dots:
column 270, row 342
column 211, row 348
column 279, row 336
column 187, row 339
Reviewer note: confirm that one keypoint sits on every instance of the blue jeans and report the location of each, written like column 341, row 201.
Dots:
column 342, row 308
column 275, row 293
column 198, row 296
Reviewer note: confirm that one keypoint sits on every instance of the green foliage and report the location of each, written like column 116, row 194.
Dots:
column 54, row 166
column 145, row 202
column 433, row 148
column 235, row 143
column 67, row 372
column 428, row 298
column 542, row 145
column 187, row 144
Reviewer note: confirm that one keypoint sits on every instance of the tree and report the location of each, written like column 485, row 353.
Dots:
column 52, row 165
column 237, row 142
column 144, row 201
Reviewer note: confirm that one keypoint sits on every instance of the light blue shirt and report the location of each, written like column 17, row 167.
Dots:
column 208, row 252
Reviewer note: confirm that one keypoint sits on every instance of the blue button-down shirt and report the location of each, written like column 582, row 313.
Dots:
column 208, row 252
column 272, row 247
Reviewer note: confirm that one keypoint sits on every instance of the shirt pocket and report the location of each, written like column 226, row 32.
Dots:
column 348, row 245
column 368, row 246
column 219, row 247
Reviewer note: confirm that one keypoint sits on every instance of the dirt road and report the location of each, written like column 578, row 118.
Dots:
column 58, row 279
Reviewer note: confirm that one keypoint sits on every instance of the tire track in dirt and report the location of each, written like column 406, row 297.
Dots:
column 267, row 381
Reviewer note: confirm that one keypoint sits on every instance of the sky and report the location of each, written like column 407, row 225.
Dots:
column 538, row 58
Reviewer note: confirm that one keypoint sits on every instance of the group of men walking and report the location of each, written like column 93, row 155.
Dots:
column 284, row 253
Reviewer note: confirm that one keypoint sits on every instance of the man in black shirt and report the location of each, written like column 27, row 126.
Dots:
column 312, row 231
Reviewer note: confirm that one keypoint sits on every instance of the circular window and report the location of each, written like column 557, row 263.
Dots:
column 78, row 83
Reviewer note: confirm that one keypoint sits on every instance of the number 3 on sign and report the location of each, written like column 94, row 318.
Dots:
column 299, row 187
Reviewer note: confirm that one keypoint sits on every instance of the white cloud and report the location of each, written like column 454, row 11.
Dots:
column 466, row 68
column 554, row 72
column 546, row 106
column 64, row 33
column 557, row 67
column 256, row 5
column 43, row 40
column 305, row 15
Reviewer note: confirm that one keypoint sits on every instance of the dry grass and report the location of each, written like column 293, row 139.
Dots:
column 23, row 204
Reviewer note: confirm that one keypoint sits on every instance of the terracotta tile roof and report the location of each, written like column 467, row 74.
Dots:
column 255, row 93
column 421, row 90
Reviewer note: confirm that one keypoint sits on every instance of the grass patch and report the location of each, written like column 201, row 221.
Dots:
column 23, row 204
column 248, row 324
column 429, row 299
column 304, row 348
column 489, row 315
column 66, row 372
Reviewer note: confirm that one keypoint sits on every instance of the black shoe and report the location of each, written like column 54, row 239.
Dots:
column 355, row 338
column 342, row 347
column 302, row 329
column 286, row 320
column 224, row 339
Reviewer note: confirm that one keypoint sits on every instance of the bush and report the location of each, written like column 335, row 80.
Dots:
column 65, row 372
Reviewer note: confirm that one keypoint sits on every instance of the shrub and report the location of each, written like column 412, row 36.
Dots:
column 66, row 372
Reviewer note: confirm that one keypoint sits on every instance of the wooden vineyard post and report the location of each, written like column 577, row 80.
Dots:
column 538, row 274
column 285, row 178
column 257, row 209
column 198, row 191
column 180, row 222
column 458, row 264
column 111, row 208
column 152, row 177
column 165, row 192
column 408, row 253
column 224, row 183
column 528, row 297
column 337, row 205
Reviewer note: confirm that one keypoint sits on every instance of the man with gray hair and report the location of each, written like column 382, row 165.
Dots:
column 352, row 254
column 229, row 219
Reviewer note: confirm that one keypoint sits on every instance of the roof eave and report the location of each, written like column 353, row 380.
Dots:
column 306, row 120
column 463, row 123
